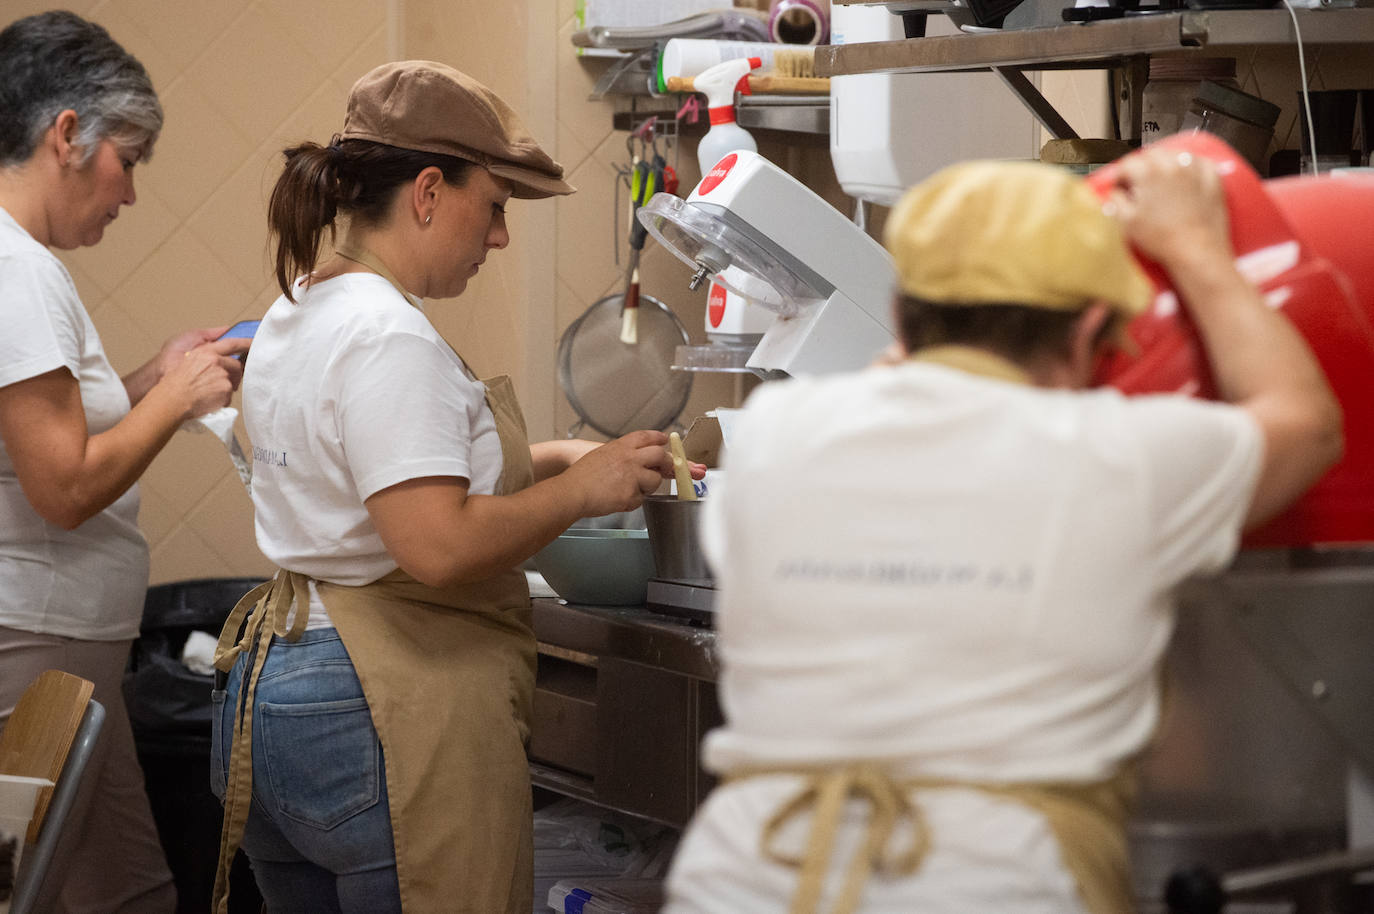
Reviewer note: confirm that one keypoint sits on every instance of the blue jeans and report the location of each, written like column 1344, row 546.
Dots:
column 319, row 830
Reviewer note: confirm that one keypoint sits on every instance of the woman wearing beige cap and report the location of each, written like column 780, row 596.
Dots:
column 370, row 738
column 937, row 668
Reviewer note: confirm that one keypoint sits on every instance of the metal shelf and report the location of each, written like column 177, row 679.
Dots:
column 1124, row 45
column 1101, row 43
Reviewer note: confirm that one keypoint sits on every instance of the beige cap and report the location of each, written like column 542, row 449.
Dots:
column 431, row 107
column 1013, row 233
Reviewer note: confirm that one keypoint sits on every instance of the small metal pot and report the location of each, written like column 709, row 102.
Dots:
column 673, row 539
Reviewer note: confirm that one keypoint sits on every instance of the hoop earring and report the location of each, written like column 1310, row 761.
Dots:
column 427, row 219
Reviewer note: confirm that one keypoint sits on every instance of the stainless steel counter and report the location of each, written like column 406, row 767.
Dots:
column 622, row 699
column 631, row 633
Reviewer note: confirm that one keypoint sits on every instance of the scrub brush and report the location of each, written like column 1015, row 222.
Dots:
column 799, row 62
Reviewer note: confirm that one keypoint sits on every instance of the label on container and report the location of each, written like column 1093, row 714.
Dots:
column 716, row 175
column 715, row 305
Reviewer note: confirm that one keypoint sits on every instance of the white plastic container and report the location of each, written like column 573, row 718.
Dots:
column 889, row 131
column 690, row 57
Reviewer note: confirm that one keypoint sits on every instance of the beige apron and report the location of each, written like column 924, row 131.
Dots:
column 1088, row 820
column 449, row 680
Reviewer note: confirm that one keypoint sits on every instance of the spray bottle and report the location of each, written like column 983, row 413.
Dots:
column 719, row 83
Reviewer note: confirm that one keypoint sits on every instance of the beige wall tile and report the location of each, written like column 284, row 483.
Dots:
column 232, row 222
column 181, row 29
column 181, row 285
column 162, row 69
column 587, row 120
column 190, row 466
column 586, row 241
column 158, row 516
column 184, row 555
column 127, row 345
column 371, row 52
column 329, row 30
column 271, row 75
column 224, row 522
column 198, row 150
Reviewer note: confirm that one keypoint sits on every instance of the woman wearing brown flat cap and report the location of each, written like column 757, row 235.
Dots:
column 371, row 732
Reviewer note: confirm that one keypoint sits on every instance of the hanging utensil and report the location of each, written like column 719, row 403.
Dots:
column 645, row 178
column 614, row 388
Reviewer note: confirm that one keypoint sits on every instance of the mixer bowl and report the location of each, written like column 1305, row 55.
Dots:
column 673, row 528
column 598, row 567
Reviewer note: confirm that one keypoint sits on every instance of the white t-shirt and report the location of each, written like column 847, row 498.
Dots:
column 89, row 582
column 961, row 577
column 348, row 392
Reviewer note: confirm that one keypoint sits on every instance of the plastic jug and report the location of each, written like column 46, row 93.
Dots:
column 1304, row 243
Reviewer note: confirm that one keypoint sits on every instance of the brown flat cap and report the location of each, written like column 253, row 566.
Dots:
column 431, row 107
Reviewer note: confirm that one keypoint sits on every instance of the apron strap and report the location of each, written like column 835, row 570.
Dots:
column 828, row 792
column 262, row 613
column 1087, row 820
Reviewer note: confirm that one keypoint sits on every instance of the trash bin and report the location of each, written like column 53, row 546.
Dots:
column 169, row 708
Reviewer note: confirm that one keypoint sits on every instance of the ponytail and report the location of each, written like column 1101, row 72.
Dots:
column 356, row 176
column 304, row 203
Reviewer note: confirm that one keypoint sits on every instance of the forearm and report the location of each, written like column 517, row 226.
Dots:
column 1262, row 364
column 1253, row 350
column 80, row 482
column 141, row 380
column 441, row 536
column 553, row 457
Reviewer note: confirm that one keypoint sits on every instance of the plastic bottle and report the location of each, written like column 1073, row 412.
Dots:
column 718, row 83
column 691, row 57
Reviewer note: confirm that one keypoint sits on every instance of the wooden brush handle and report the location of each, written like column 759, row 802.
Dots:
column 766, row 84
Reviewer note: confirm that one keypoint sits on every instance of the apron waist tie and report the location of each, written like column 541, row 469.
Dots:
column 1088, row 821
column 262, row 613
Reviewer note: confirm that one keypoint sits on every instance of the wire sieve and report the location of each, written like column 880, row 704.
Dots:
column 616, row 387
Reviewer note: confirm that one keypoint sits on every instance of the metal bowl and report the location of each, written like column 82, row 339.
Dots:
column 600, row 567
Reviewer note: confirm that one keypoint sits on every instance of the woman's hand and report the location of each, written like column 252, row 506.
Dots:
column 202, row 379
column 173, row 353
column 1171, row 206
column 617, row 475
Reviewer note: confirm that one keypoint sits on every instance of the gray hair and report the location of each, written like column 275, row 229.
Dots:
column 56, row 61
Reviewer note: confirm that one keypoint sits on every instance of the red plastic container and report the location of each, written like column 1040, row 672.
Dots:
column 1308, row 245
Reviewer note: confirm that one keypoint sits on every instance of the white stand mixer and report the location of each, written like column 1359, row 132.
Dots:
column 766, row 237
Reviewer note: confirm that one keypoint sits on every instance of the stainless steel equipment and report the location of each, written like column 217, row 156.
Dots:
column 682, row 584
column 1255, row 776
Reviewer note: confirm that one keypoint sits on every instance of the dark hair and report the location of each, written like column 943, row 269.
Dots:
column 1021, row 333
column 56, row 61
column 357, row 177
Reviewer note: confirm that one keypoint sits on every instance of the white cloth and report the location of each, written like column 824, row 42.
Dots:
column 962, row 577
column 346, row 393
column 89, row 582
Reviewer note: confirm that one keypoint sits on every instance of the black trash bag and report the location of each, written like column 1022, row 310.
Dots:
column 169, row 705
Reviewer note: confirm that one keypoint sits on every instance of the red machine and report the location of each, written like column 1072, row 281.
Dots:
column 1307, row 243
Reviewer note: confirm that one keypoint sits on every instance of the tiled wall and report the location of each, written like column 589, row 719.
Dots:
column 241, row 79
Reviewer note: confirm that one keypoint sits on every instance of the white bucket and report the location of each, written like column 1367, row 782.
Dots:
column 18, row 797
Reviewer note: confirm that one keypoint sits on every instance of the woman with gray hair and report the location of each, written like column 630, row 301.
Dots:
column 77, row 114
